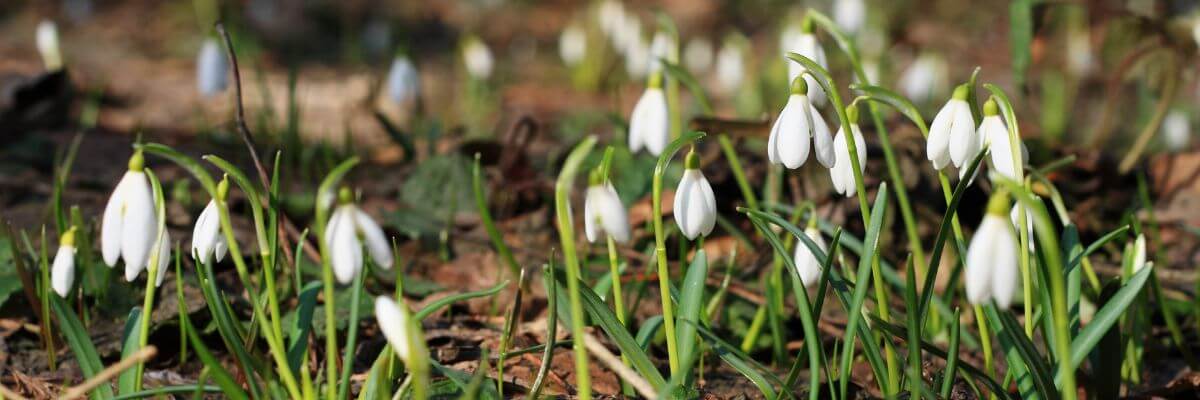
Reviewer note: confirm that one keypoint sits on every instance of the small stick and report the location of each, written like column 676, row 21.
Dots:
column 628, row 374
column 7, row 393
column 107, row 374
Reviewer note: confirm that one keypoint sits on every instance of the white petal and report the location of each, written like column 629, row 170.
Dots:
column 139, row 225
column 806, row 262
column 980, row 256
column 607, row 214
column 62, row 272
column 709, row 219
column 403, row 84
column 345, row 249
column 694, row 205
column 795, row 127
column 773, row 139
column 648, row 123
column 964, row 140
column 822, row 139
column 163, row 258
column 996, row 135
column 937, row 147
column 211, row 69
column 392, row 319
column 335, row 221
column 1004, row 258
column 377, row 243
column 591, row 218
column 206, row 234
column 110, row 225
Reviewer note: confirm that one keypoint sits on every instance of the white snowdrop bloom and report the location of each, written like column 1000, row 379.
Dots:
column 923, row 77
column 62, row 271
column 208, row 243
column 478, row 58
column 572, row 44
column 806, row 262
column 611, row 17
column 797, row 123
column 637, row 58
column 212, row 69
column 649, row 126
column 402, row 332
column 1176, row 130
column 662, row 48
column 698, row 55
column 731, row 66
column 842, row 173
column 1139, row 252
column 1196, row 30
column 348, row 230
column 129, row 226
column 1080, row 60
column 47, row 44
column 805, row 44
column 629, row 34
column 992, row 273
column 850, row 14
column 994, row 135
column 952, row 135
column 695, row 205
column 163, row 258
column 604, row 214
column 403, row 82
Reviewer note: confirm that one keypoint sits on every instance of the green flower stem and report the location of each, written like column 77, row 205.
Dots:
column 488, row 223
column 152, row 272
column 614, row 265
column 566, row 233
column 352, row 335
column 47, row 291
column 660, row 246
column 985, row 341
column 327, row 281
column 752, row 333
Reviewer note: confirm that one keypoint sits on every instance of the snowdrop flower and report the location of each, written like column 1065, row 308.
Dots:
column 731, row 65
column 348, row 230
column 1139, row 252
column 662, row 49
column 478, row 58
column 208, row 243
column 992, row 257
column 637, row 58
column 841, row 173
column 952, row 135
column 805, row 43
column 47, row 44
column 611, row 16
column 603, row 212
column 62, row 272
column 849, row 14
column 649, row 126
column 798, row 122
column 994, row 135
column 403, row 333
column 806, row 262
column 572, row 44
column 627, row 34
column 923, row 77
column 1080, row 60
column 129, row 226
column 695, row 205
column 698, row 55
column 211, row 69
column 403, row 82
column 1176, row 130
column 162, row 258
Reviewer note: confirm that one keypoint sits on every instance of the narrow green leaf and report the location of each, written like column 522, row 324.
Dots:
column 1009, row 328
column 133, row 323
column 650, row 327
column 1105, row 317
column 445, row 301
column 970, row 371
column 229, row 386
column 690, row 303
column 896, row 101
column 301, row 325
column 935, row 255
column 683, row 76
column 81, row 345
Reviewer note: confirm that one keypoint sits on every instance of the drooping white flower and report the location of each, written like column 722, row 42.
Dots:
column 805, row 43
column 695, row 205
column 731, row 66
column 797, row 123
column 403, row 333
column 806, row 262
column 62, row 271
column 1176, row 130
column 212, row 69
column 348, row 230
column 47, row 45
column 208, row 243
column 478, row 58
column 649, row 125
column 698, row 55
column 850, row 14
column 604, row 214
column 923, row 78
column 952, row 136
column 129, row 226
column 842, row 174
column 994, row 135
column 662, row 48
column 163, row 258
column 403, row 82
column 572, row 44
column 992, row 273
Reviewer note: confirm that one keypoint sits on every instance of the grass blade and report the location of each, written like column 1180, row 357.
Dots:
column 81, row 345
column 691, row 301
column 229, row 386
column 445, row 301
column 133, row 323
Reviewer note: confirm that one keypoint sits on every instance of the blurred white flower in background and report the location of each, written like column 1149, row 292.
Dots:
column 992, row 273
column 604, row 214
column 1080, row 60
column 924, row 78
column 662, row 48
column 478, row 58
column 611, row 17
column 731, row 65
column 212, row 69
column 802, row 41
column 1176, row 130
column 572, row 44
column 649, row 124
column 47, row 44
column 637, row 58
column 628, row 34
column 403, row 82
column 850, row 14
column 698, row 55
